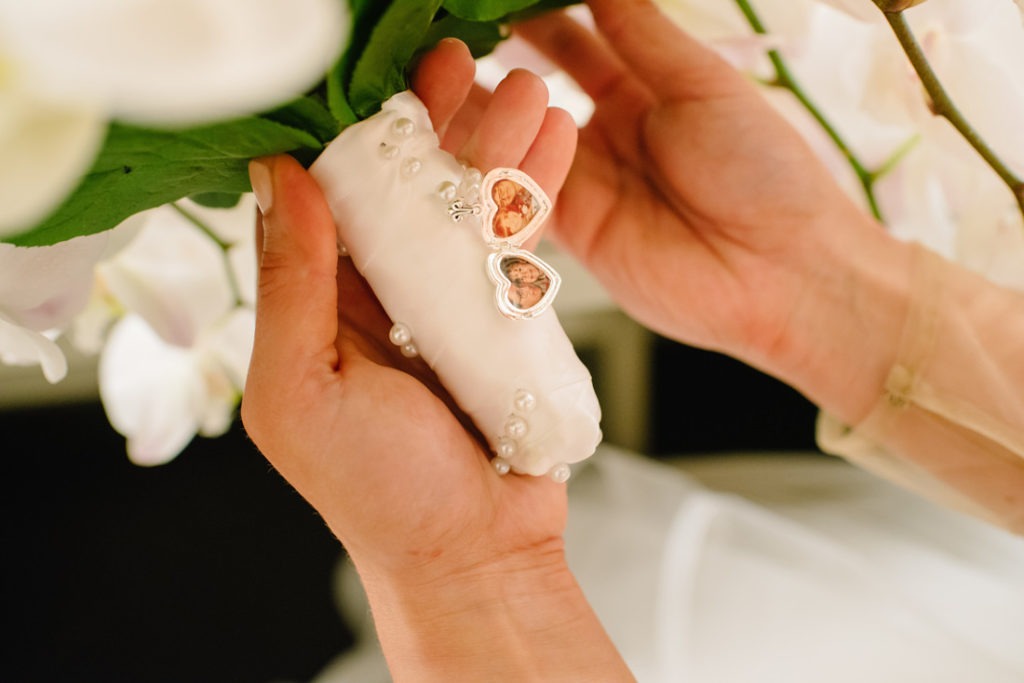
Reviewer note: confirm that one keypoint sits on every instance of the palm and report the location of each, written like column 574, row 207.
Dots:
column 686, row 181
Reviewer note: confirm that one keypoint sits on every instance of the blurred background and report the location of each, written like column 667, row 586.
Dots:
column 211, row 568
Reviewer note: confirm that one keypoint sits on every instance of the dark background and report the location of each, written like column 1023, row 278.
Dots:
column 211, row 568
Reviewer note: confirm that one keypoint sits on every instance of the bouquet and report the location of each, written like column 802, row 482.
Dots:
column 128, row 127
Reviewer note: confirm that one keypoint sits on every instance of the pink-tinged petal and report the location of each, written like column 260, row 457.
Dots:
column 172, row 275
column 180, row 62
column 152, row 392
column 44, row 287
column 22, row 346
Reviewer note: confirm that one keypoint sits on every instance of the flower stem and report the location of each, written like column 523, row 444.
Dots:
column 224, row 247
column 784, row 78
column 942, row 105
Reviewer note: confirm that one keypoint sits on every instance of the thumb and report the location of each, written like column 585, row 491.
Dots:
column 297, row 297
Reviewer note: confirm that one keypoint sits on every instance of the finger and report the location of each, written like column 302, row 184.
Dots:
column 550, row 157
column 509, row 124
column 442, row 81
column 466, row 119
column 671, row 63
column 577, row 50
column 296, row 308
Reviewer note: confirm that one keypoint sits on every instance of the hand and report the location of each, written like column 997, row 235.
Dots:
column 368, row 437
column 707, row 216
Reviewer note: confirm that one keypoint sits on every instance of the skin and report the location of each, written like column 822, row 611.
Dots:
column 689, row 197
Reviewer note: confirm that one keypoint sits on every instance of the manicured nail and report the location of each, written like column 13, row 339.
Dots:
column 262, row 185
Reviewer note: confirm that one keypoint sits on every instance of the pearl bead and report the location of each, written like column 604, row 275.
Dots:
column 507, row 448
column 473, row 176
column 447, row 191
column 411, row 167
column 409, row 350
column 501, row 466
column 342, row 249
column 403, row 127
column 400, row 334
column 516, row 427
column 388, row 151
column 560, row 473
column 524, row 401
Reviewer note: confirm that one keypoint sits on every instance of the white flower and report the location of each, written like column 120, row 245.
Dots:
column 45, row 147
column 41, row 289
column 176, row 61
column 160, row 395
column 67, row 67
column 175, row 364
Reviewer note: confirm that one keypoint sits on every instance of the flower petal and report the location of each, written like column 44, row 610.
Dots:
column 172, row 275
column 45, row 149
column 180, row 61
column 152, row 391
column 44, row 287
column 22, row 346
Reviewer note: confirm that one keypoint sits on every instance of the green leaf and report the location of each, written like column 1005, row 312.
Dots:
column 140, row 168
column 540, row 8
column 485, row 10
column 308, row 114
column 480, row 37
column 380, row 71
column 365, row 14
column 216, row 200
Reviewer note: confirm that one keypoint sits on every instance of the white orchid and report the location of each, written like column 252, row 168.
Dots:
column 41, row 289
column 174, row 363
column 67, row 67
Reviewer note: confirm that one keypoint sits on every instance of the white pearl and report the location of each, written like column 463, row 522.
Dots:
column 524, row 401
column 409, row 350
column 501, row 466
column 560, row 473
column 447, row 191
column 388, row 151
column 507, row 448
column 516, row 427
column 400, row 334
column 411, row 167
column 342, row 249
column 473, row 176
column 403, row 127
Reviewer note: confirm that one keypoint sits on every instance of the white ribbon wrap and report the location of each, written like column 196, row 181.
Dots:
column 384, row 181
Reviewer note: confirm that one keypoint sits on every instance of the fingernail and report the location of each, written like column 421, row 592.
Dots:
column 262, row 185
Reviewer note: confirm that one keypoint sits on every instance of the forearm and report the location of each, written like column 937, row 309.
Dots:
column 923, row 358
column 522, row 618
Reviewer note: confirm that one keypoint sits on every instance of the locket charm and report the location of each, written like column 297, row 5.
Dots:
column 514, row 207
column 526, row 285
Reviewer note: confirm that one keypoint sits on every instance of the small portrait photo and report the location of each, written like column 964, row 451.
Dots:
column 516, row 207
column 529, row 283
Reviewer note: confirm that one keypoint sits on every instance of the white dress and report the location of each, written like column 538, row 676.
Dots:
column 765, row 568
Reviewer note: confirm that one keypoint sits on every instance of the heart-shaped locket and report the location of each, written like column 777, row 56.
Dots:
column 514, row 207
column 526, row 285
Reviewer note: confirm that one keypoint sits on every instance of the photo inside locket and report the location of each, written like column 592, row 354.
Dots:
column 516, row 207
column 528, row 283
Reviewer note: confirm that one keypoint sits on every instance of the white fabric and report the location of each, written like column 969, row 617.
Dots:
column 429, row 273
column 778, row 568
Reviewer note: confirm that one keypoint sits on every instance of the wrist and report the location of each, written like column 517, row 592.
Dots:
column 519, row 617
column 844, row 333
